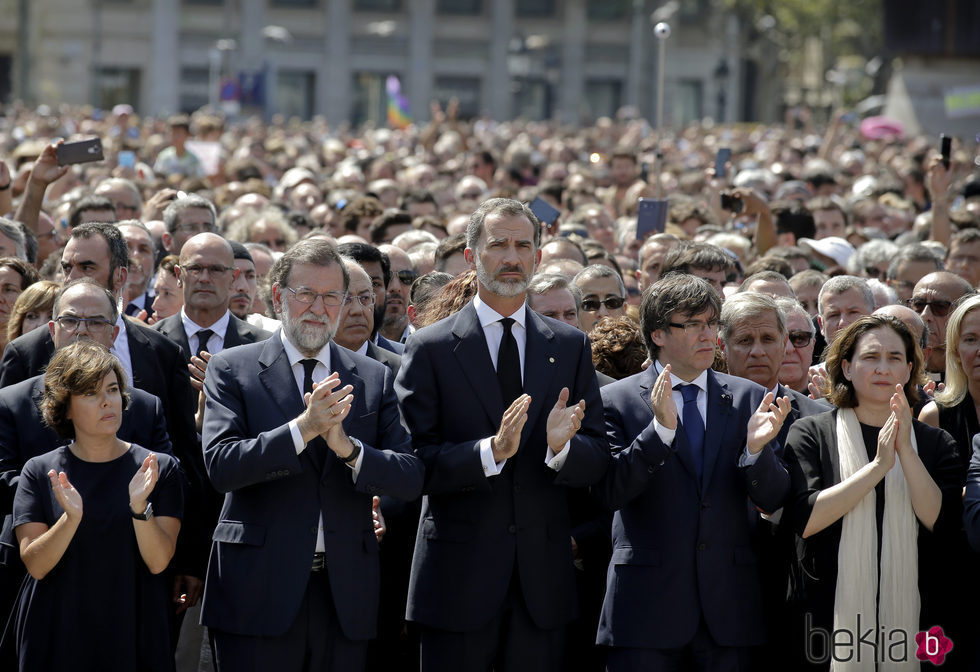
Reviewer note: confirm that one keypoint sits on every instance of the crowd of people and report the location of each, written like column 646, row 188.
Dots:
column 371, row 413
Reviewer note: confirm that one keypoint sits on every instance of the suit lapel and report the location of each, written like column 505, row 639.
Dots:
column 719, row 415
column 277, row 377
column 173, row 328
column 540, row 363
column 474, row 361
column 139, row 349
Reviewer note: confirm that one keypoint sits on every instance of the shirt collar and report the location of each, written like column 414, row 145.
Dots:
column 488, row 315
column 191, row 327
column 701, row 381
column 294, row 355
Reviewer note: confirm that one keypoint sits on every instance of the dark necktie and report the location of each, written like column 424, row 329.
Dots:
column 203, row 336
column 509, row 365
column 308, row 366
column 693, row 425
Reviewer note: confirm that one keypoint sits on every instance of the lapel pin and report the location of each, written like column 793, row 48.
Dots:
column 551, row 359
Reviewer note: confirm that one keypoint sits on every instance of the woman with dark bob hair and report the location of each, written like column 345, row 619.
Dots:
column 872, row 491
column 96, row 522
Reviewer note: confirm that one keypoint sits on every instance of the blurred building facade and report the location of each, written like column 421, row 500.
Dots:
column 573, row 60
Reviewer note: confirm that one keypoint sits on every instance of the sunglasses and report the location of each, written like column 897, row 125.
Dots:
column 939, row 308
column 800, row 339
column 610, row 302
column 406, row 277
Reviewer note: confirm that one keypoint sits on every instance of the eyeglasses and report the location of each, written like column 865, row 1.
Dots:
column 939, row 308
column 94, row 325
column 406, row 277
column 214, row 270
column 695, row 326
column 191, row 227
column 307, row 295
column 366, row 300
column 800, row 339
column 610, row 302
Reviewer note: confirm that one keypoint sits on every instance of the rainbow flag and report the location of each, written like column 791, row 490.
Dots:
column 398, row 116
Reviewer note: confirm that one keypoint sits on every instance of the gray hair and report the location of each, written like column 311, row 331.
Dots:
column 505, row 207
column 542, row 283
column 788, row 306
column 872, row 253
column 748, row 305
column 840, row 284
column 13, row 230
column 599, row 271
column 312, row 251
column 171, row 216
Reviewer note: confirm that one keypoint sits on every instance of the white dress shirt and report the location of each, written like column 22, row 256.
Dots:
column 120, row 348
column 215, row 344
column 493, row 331
column 320, row 371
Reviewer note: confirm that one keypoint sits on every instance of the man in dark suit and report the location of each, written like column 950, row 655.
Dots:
column 357, row 319
column 484, row 393
column 81, row 310
column 98, row 251
column 378, row 267
column 683, row 587
column 293, row 578
column 754, row 339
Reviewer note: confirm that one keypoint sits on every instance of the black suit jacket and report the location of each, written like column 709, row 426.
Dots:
column 24, row 435
column 476, row 531
column 239, row 332
column 390, row 359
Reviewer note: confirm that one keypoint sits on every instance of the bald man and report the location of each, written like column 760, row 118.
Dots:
column 934, row 299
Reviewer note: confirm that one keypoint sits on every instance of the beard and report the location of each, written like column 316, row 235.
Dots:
column 308, row 338
column 505, row 288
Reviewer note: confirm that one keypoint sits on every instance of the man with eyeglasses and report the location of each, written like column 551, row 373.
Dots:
column 378, row 267
column 800, row 343
column 205, row 325
column 689, row 447
column 934, row 298
column 394, row 326
column 603, row 294
column 124, row 195
column 186, row 217
column 299, row 434
column 82, row 309
column 357, row 319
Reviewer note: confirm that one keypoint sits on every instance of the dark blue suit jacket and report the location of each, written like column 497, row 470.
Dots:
column 24, row 435
column 474, row 528
column 265, row 539
column 682, row 549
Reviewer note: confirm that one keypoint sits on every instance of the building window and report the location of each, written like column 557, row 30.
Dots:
column 607, row 10
column 194, row 91
column 534, row 8
column 377, row 5
column 532, row 98
column 465, row 89
column 117, row 85
column 603, row 97
column 460, row 7
column 295, row 90
column 686, row 98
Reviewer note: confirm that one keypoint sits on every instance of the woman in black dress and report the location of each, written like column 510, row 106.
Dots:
column 97, row 523
column 871, row 488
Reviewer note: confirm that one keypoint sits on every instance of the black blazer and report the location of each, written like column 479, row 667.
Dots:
column 476, row 531
column 390, row 359
column 239, row 332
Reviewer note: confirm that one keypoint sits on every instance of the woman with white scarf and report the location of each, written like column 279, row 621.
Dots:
column 871, row 491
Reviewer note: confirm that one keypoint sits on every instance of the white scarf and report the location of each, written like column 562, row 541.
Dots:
column 857, row 560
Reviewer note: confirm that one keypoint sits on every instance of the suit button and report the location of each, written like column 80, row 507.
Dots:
column 755, row 483
column 702, row 547
column 512, row 529
column 705, row 505
column 650, row 470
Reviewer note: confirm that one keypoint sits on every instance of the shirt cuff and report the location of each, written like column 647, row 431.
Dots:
column 297, row 435
column 666, row 435
column 748, row 459
column 557, row 461
column 490, row 466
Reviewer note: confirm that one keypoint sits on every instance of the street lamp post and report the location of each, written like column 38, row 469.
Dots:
column 721, row 85
column 661, row 31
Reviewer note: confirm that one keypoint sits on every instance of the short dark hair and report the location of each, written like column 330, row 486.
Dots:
column 677, row 293
column 118, row 251
column 86, row 204
column 506, row 207
column 77, row 368
column 840, row 391
column 418, row 196
column 312, row 251
column 28, row 275
column 353, row 211
column 364, row 253
column 449, row 246
column 381, row 224
column 685, row 256
column 791, row 216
